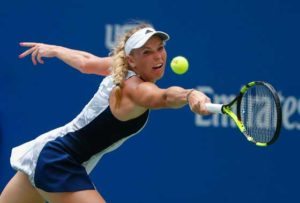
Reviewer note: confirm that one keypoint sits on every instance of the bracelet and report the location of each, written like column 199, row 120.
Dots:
column 188, row 95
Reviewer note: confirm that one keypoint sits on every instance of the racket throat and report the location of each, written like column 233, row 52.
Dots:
column 227, row 110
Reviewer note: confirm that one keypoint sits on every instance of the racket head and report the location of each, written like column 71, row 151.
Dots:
column 259, row 113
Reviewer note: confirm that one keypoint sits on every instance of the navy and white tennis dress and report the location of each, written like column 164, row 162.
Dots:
column 60, row 160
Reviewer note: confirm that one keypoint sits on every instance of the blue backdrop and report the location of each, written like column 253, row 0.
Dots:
column 179, row 157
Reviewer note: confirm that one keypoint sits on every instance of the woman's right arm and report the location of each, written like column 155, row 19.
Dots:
column 149, row 95
column 80, row 60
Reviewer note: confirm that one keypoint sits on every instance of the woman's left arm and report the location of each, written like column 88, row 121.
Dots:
column 80, row 60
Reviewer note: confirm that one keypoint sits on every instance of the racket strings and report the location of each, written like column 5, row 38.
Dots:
column 259, row 113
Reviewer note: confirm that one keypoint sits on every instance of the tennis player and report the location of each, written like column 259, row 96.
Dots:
column 55, row 166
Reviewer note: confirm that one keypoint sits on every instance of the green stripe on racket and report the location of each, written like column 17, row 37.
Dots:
column 256, row 111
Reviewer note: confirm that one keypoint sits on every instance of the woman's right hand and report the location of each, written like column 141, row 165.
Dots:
column 197, row 101
column 37, row 51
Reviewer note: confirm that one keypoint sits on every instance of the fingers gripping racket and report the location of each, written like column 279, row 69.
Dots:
column 256, row 111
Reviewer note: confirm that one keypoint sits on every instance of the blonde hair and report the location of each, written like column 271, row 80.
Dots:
column 120, row 65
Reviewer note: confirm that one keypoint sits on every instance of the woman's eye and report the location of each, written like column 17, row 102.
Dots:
column 146, row 52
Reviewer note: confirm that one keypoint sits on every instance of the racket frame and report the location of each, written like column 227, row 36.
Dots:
column 226, row 109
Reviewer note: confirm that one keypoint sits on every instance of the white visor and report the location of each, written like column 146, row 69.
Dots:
column 140, row 37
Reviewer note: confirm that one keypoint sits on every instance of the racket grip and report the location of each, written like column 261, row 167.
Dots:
column 214, row 108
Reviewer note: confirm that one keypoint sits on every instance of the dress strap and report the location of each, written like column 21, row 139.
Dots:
column 130, row 74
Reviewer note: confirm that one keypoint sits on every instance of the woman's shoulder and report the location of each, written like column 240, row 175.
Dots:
column 132, row 82
column 110, row 78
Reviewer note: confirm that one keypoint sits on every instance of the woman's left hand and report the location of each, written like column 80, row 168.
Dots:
column 37, row 51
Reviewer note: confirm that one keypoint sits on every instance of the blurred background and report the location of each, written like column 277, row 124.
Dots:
column 178, row 157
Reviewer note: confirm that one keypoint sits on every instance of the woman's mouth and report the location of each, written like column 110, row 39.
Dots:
column 158, row 66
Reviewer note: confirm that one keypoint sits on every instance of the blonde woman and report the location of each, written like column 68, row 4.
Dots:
column 54, row 167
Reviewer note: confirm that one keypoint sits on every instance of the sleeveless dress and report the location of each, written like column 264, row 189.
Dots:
column 61, row 159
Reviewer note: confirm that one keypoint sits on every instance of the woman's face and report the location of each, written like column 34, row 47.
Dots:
column 149, row 61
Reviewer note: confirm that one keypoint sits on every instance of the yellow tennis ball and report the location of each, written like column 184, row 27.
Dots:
column 179, row 65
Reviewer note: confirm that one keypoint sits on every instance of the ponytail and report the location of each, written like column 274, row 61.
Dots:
column 120, row 65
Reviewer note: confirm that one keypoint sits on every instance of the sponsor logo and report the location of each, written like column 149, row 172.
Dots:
column 113, row 32
column 290, row 111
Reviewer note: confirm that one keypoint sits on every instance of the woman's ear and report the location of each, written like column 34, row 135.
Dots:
column 131, row 61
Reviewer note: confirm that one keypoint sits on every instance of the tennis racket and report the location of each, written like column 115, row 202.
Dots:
column 256, row 111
